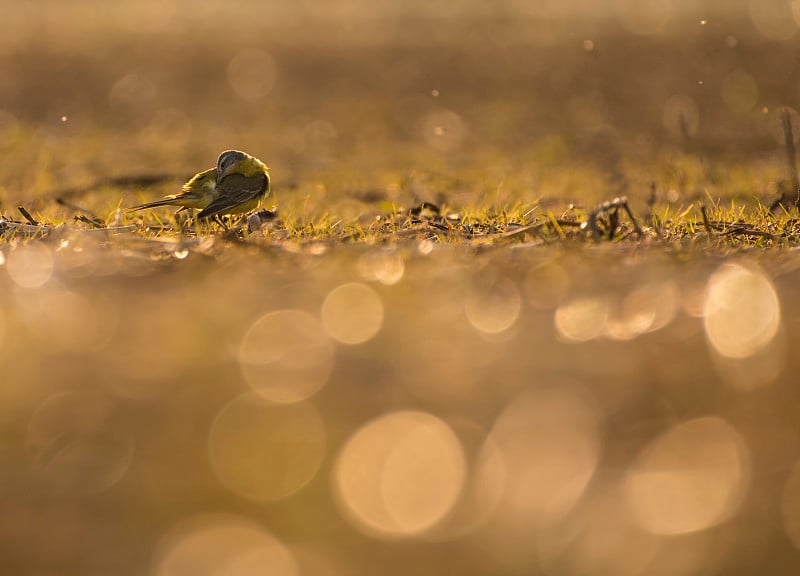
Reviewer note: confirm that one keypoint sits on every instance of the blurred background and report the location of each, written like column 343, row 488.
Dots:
column 570, row 100
column 173, row 406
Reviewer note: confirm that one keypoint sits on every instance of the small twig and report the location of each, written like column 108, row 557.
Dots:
column 651, row 198
column 706, row 223
column 591, row 222
column 635, row 223
column 27, row 216
column 25, row 228
column 94, row 222
column 613, row 223
column 749, row 232
column 128, row 228
column 521, row 230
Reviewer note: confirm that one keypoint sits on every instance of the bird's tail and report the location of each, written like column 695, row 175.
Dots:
column 164, row 202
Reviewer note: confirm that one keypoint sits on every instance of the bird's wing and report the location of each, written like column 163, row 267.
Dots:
column 234, row 190
column 201, row 180
column 196, row 193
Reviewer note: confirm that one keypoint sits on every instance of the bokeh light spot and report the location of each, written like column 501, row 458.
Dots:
column 399, row 474
column 545, row 285
column 222, row 545
column 384, row 266
column 252, row 73
column 444, row 130
column 264, row 451
column 692, row 477
column 30, row 266
column 645, row 309
column 133, row 90
column 285, row 356
column 774, row 19
column 644, row 18
column 494, row 308
column 482, row 492
column 599, row 538
column 550, row 447
column 75, row 442
column 739, row 92
column 742, row 311
column 582, row 319
column 352, row 313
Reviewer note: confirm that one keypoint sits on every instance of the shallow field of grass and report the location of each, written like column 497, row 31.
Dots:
column 522, row 300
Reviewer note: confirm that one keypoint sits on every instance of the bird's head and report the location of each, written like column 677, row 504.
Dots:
column 228, row 161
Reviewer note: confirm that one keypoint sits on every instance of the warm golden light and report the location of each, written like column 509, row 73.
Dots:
column 252, row 73
column 400, row 474
column 264, row 451
column 742, row 311
column 384, row 266
column 600, row 537
column 549, row 443
column 352, row 313
column 481, row 496
column 692, row 477
column 645, row 309
column 222, row 545
column 493, row 309
column 444, row 130
column 582, row 319
column 30, row 266
column 285, row 356
column 520, row 300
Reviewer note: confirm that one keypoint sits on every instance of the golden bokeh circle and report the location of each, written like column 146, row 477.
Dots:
column 30, row 266
column 76, row 443
column 285, row 356
column 399, row 475
column 742, row 312
column 692, row 477
column 264, row 451
column 222, row 545
column 352, row 313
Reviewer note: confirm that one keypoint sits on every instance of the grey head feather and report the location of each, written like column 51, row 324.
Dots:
column 226, row 160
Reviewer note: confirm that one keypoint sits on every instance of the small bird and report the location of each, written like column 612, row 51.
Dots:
column 197, row 193
column 242, row 183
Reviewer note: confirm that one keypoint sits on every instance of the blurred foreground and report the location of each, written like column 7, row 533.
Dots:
column 417, row 409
